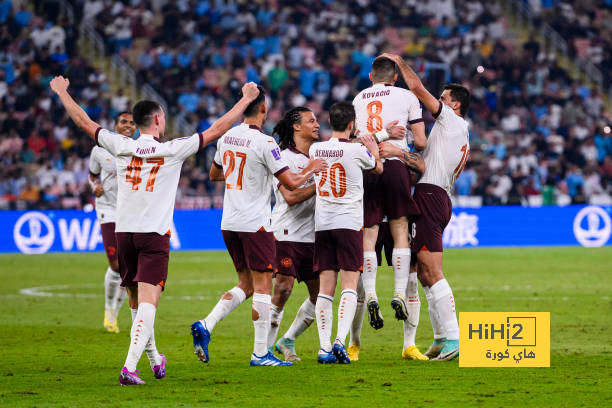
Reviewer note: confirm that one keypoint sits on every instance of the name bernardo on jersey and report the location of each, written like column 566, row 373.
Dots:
column 329, row 153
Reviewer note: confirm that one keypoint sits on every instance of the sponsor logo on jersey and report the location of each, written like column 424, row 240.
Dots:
column 276, row 153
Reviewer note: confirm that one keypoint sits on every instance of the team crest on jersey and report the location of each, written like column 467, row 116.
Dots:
column 276, row 153
column 286, row 262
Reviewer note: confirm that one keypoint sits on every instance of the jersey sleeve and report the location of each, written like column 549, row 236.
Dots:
column 415, row 112
column 217, row 159
column 94, row 162
column 272, row 158
column 444, row 115
column 111, row 141
column 364, row 157
column 184, row 147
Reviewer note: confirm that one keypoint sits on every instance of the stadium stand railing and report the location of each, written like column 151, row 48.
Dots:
column 524, row 16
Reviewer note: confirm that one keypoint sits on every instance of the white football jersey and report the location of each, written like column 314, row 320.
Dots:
column 148, row 173
column 294, row 223
column 447, row 151
column 339, row 201
column 250, row 160
column 380, row 104
column 102, row 164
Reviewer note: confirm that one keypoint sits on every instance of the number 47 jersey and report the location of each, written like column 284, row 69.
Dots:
column 148, row 173
column 339, row 202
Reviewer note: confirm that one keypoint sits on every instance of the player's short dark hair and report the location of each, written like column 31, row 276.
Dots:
column 383, row 69
column 122, row 113
column 459, row 93
column 253, row 108
column 143, row 112
column 284, row 127
column 340, row 115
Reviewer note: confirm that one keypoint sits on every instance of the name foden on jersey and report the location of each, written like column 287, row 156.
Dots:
column 141, row 151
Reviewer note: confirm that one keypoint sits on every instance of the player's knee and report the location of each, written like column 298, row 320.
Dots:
column 254, row 315
column 248, row 290
column 227, row 296
column 284, row 289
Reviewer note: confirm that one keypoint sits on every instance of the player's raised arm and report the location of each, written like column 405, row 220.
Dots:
column 225, row 122
column 298, row 195
column 413, row 81
column 293, row 180
column 413, row 160
column 59, row 85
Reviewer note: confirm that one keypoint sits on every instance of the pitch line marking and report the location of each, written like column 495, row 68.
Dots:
column 45, row 291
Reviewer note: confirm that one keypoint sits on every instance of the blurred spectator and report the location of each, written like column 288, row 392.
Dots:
column 534, row 129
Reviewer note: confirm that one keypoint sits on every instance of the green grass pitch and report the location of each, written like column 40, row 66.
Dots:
column 55, row 353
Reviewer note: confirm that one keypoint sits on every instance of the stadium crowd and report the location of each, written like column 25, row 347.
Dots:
column 537, row 135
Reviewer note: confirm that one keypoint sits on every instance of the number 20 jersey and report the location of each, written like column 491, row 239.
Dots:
column 148, row 173
column 380, row 104
column 249, row 159
column 339, row 202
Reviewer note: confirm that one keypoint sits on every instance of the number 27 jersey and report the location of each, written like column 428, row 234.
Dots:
column 249, row 159
column 339, row 202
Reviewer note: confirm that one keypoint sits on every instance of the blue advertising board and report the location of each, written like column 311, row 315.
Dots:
column 37, row 232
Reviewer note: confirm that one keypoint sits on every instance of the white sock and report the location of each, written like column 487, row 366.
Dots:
column 224, row 307
column 276, row 315
column 445, row 307
column 438, row 330
column 112, row 282
column 142, row 327
column 261, row 308
column 303, row 319
column 346, row 313
column 359, row 314
column 413, row 304
column 401, row 269
column 369, row 274
column 119, row 297
column 325, row 319
column 150, row 348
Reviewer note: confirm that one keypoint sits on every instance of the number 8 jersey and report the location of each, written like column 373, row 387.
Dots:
column 148, row 173
column 339, row 202
column 381, row 104
column 249, row 159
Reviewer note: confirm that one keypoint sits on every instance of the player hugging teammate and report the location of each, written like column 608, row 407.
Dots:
column 314, row 246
